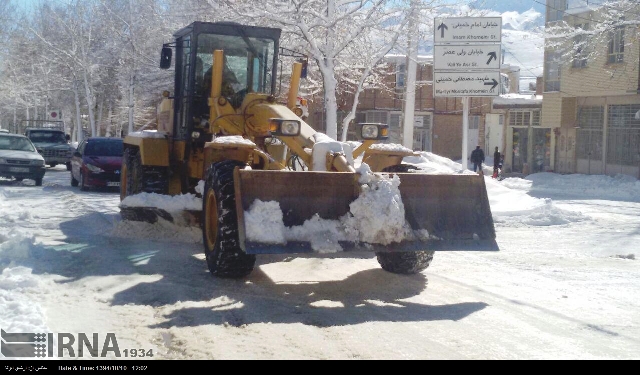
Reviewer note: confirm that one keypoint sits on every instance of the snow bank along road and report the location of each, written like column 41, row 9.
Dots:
column 564, row 285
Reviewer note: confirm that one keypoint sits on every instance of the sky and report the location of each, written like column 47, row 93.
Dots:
column 563, row 284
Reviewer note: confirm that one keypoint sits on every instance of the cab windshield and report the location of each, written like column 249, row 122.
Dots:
column 47, row 137
column 248, row 62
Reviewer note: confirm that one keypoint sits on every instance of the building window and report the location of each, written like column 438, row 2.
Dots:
column 394, row 120
column 519, row 118
column 401, row 70
column 378, row 117
column 580, row 44
column 535, row 118
column 589, row 133
column 623, row 135
column 552, row 71
column 616, row 46
column 474, row 122
column 555, row 10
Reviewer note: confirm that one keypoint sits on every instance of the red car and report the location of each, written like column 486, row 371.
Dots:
column 97, row 162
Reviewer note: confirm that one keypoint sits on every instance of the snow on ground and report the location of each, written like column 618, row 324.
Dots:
column 564, row 284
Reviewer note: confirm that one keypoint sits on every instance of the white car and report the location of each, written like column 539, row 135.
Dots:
column 19, row 159
column 3, row 130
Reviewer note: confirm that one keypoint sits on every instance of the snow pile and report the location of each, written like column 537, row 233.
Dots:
column 434, row 164
column 18, row 290
column 390, row 147
column 377, row 216
column 200, row 187
column 170, row 203
column 14, row 246
column 159, row 231
column 597, row 186
column 546, row 214
column 264, row 222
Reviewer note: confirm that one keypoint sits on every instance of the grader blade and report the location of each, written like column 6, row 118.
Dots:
column 152, row 215
column 453, row 209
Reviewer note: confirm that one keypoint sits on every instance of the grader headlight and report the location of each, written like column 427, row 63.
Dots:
column 374, row 131
column 282, row 127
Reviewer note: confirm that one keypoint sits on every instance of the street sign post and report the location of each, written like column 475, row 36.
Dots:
column 468, row 30
column 467, row 55
column 456, row 84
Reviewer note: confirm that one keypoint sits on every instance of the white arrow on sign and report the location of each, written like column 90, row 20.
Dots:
column 467, row 57
column 454, row 84
column 467, row 30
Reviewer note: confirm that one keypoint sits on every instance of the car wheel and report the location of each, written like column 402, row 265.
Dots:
column 38, row 181
column 68, row 166
column 83, row 187
column 74, row 182
column 52, row 165
column 19, row 179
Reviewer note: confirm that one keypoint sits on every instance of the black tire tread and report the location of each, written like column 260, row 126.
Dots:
column 74, row 182
column 226, row 259
column 142, row 178
column 404, row 263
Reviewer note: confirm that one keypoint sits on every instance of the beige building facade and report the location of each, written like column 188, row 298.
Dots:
column 592, row 101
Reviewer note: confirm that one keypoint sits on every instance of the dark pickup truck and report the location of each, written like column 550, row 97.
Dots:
column 53, row 145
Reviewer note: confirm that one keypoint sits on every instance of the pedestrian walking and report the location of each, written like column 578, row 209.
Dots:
column 497, row 162
column 477, row 158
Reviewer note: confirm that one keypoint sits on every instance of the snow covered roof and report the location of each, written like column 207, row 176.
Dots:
column 517, row 101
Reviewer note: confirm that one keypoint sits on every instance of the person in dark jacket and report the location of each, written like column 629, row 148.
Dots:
column 477, row 158
column 497, row 161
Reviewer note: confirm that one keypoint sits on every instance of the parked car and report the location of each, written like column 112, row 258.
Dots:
column 19, row 159
column 53, row 144
column 96, row 163
column 3, row 130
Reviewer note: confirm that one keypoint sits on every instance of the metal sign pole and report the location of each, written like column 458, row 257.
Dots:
column 465, row 130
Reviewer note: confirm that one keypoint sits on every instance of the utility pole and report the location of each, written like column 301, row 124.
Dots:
column 410, row 81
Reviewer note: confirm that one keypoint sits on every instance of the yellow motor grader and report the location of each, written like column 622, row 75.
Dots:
column 224, row 126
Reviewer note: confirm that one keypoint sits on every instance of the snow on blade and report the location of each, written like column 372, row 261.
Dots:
column 376, row 216
column 171, row 203
column 264, row 222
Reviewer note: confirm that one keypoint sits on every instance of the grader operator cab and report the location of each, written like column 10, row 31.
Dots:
column 224, row 126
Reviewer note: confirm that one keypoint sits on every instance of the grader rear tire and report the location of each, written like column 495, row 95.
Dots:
column 136, row 178
column 404, row 263
column 224, row 256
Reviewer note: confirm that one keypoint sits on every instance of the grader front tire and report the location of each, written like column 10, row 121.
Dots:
column 404, row 263
column 224, row 256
